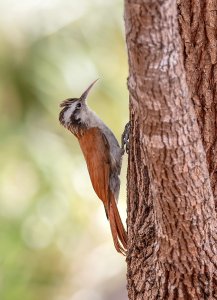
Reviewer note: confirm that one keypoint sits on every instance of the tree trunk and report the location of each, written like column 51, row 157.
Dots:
column 171, row 212
column 198, row 26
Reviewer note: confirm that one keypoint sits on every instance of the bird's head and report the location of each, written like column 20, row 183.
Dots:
column 72, row 107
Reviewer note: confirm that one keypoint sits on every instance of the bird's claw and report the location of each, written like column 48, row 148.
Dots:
column 125, row 138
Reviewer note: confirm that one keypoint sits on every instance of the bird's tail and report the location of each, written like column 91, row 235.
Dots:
column 118, row 232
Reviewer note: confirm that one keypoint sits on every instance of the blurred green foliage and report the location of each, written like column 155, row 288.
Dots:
column 55, row 242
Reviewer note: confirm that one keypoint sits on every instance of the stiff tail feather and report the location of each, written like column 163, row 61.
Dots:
column 118, row 232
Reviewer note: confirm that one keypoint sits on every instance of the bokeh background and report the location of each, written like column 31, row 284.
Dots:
column 55, row 241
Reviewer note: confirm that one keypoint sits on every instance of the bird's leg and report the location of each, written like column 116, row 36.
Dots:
column 125, row 138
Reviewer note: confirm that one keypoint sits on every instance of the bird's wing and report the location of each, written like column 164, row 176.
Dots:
column 96, row 151
column 95, row 148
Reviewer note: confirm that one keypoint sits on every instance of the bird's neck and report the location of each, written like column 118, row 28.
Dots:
column 78, row 123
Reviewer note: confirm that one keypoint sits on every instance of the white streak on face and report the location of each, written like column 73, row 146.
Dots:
column 69, row 112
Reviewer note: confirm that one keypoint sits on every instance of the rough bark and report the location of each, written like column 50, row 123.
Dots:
column 198, row 26
column 171, row 212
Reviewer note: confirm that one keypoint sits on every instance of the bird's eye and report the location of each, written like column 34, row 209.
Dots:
column 78, row 106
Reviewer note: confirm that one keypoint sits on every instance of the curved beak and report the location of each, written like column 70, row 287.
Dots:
column 86, row 92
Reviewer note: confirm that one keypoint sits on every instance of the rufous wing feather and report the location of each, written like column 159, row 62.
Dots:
column 95, row 148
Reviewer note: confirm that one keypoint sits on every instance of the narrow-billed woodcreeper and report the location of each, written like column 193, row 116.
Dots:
column 103, row 156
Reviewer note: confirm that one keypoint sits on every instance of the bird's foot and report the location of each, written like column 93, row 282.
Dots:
column 125, row 138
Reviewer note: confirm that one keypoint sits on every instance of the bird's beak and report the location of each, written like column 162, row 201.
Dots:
column 86, row 92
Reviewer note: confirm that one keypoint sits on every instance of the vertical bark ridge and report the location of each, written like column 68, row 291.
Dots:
column 198, row 27
column 140, row 215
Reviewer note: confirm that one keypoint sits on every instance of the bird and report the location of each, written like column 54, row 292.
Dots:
column 103, row 157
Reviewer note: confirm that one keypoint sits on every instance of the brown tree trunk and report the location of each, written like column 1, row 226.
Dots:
column 198, row 26
column 171, row 213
